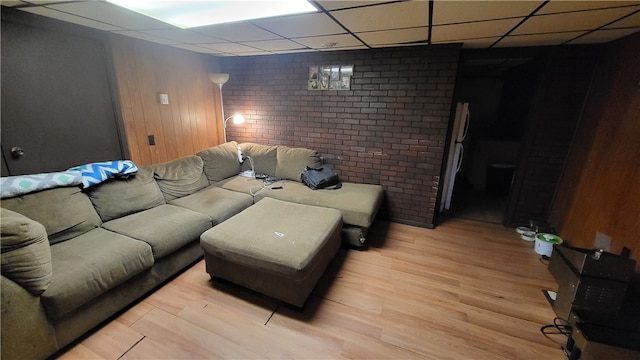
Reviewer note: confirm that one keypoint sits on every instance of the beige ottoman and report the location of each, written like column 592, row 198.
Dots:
column 274, row 247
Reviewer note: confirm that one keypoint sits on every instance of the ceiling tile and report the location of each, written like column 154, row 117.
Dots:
column 484, row 29
column 630, row 21
column 183, row 36
column 402, row 36
column 44, row 11
column 603, row 36
column 293, row 51
column 271, row 45
column 111, row 14
column 301, row 25
column 359, row 47
column 538, row 39
column 148, row 37
column 566, row 6
column 583, row 20
column 333, row 5
column 389, row 16
column 11, row 3
column 450, row 12
column 195, row 48
column 318, row 42
column 229, row 47
column 240, row 31
column 479, row 43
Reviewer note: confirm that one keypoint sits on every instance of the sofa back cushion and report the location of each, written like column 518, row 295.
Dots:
column 180, row 177
column 65, row 212
column 291, row 162
column 119, row 197
column 220, row 162
column 264, row 158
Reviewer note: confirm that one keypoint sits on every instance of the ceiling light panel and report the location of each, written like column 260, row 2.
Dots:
column 301, row 25
column 391, row 16
column 190, row 13
column 450, row 12
column 583, row 20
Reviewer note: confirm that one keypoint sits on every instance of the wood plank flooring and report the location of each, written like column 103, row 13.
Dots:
column 466, row 290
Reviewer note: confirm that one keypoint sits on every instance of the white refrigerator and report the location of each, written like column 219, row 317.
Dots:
column 455, row 154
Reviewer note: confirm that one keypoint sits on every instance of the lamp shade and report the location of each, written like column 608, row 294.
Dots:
column 219, row 78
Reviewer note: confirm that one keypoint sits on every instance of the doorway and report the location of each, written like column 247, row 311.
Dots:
column 58, row 104
column 499, row 92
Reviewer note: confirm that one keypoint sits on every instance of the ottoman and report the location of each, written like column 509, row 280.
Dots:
column 275, row 247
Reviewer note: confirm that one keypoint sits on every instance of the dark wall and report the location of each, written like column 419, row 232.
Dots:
column 388, row 129
column 563, row 80
column 600, row 187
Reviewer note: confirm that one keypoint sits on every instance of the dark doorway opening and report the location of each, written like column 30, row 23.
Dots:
column 499, row 92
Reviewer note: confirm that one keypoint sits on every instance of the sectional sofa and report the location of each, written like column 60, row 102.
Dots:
column 72, row 257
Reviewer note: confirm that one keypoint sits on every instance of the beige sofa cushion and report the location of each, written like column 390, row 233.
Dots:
column 217, row 203
column 220, row 161
column 119, row 197
column 26, row 257
column 165, row 228
column 65, row 212
column 180, row 177
column 291, row 162
column 358, row 203
column 264, row 158
column 89, row 265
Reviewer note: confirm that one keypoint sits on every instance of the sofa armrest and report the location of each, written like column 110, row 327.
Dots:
column 26, row 331
column 26, row 255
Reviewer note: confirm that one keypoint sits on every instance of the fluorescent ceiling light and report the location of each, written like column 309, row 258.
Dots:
column 191, row 13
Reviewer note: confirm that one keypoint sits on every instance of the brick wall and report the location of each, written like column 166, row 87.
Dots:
column 389, row 128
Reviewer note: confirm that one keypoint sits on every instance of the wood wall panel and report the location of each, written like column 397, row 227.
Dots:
column 189, row 123
column 600, row 188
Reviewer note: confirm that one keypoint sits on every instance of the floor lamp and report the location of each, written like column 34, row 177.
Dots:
column 221, row 79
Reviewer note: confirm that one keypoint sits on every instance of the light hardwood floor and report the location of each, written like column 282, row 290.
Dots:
column 466, row 290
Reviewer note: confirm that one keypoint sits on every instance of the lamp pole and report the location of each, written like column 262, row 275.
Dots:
column 221, row 79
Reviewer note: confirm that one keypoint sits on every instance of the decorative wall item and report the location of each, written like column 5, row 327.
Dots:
column 330, row 77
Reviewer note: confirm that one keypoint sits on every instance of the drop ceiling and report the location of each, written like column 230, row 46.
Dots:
column 355, row 24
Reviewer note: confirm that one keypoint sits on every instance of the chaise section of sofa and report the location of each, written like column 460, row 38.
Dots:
column 358, row 203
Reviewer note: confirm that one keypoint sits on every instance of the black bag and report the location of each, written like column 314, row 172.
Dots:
column 320, row 178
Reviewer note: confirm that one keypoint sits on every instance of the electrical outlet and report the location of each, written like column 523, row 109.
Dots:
column 602, row 241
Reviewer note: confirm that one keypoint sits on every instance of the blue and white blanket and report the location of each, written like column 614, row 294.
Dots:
column 87, row 175
column 95, row 173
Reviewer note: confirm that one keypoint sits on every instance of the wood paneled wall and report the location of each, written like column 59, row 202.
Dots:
column 189, row 123
column 600, row 188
